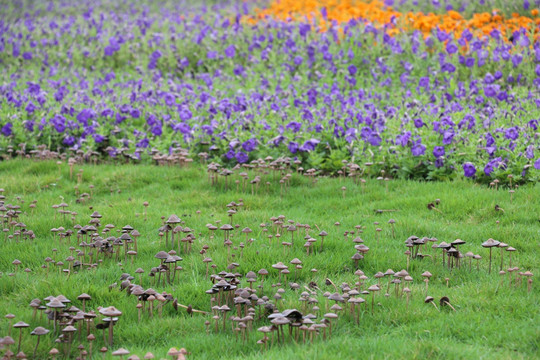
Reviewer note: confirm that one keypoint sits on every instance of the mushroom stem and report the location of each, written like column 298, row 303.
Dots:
column 35, row 349
column 111, row 325
column 20, row 338
column 447, row 303
column 435, row 306
column 490, row 260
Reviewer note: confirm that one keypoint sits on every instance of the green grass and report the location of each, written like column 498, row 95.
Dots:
column 491, row 321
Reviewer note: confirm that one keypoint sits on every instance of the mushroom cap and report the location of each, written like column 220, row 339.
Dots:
column 280, row 266
column 173, row 352
column 148, row 356
column 20, row 324
column 282, row 320
column 84, row 296
column 55, row 303
column 428, row 299
column 330, row 316
column 39, row 331
column 490, row 243
column 120, row 352
column 389, row 272
column 336, row 297
column 162, row 255
column 173, row 219
column 69, row 328
column 8, row 340
column 374, row 288
column 458, row 242
column 110, row 311
column 427, row 274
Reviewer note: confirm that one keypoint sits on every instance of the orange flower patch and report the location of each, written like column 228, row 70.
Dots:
column 376, row 13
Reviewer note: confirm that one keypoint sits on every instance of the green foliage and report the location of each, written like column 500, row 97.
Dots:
column 493, row 320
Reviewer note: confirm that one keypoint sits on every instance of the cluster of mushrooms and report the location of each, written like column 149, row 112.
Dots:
column 241, row 300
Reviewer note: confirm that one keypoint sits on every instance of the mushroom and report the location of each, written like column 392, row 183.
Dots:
column 111, row 312
column 502, row 245
column 446, row 301
column 69, row 330
column 373, row 289
column 84, row 297
column 429, row 299
column 490, row 243
column 322, row 234
column 38, row 332
column 510, row 251
column 20, row 325
column 120, row 352
column 426, row 275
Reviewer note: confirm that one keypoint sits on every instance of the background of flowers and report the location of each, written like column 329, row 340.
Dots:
column 239, row 84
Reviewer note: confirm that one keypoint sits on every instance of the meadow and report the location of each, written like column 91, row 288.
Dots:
column 494, row 318
column 308, row 179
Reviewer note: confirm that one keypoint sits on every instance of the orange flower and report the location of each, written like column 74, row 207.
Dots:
column 379, row 15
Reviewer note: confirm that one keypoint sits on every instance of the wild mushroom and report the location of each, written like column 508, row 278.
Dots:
column 510, row 251
column 429, row 299
column 120, row 352
column 373, row 289
column 69, row 330
column 84, row 297
column 427, row 275
column 445, row 301
column 39, row 331
column 111, row 312
column 490, row 243
column 20, row 325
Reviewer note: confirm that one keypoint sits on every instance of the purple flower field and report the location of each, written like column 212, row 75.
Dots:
column 130, row 81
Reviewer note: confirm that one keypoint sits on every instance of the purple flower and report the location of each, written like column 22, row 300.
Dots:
column 418, row 148
column 98, row 138
column 230, row 51
column 511, row 133
column 374, row 139
column 537, row 164
column 492, row 165
column 249, row 145
column 30, row 108
column 451, row 48
column 529, row 152
column 517, row 59
column 298, row 60
column 418, row 123
column 438, row 151
column 352, row 70
column 448, row 67
column 7, row 129
column 241, row 157
column 468, row 169
column 294, row 126
column 293, row 147
column 448, row 136
column 309, row 145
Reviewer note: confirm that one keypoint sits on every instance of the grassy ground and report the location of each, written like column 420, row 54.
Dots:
column 492, row 320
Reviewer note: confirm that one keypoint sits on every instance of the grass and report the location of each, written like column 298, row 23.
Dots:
column 491, row 321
